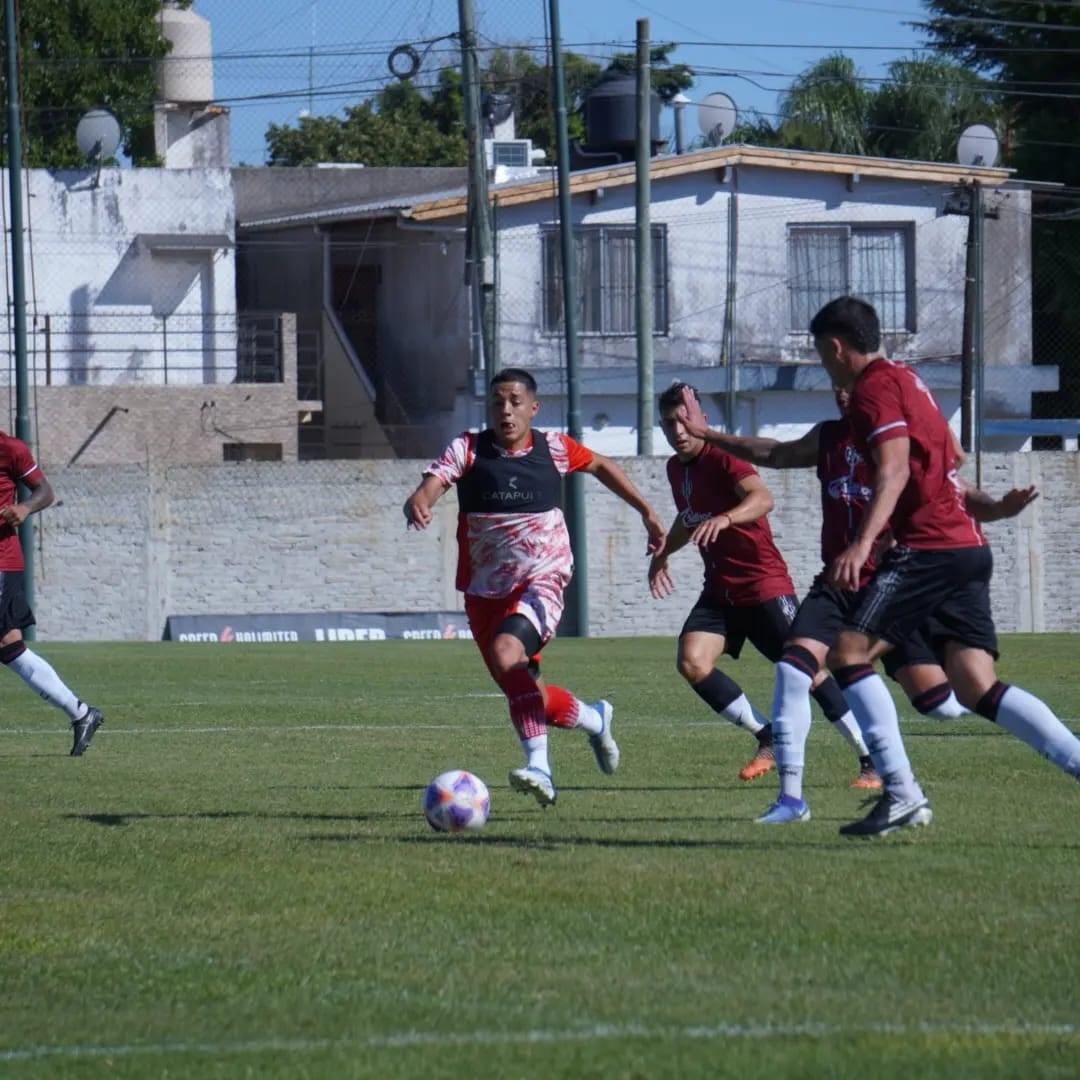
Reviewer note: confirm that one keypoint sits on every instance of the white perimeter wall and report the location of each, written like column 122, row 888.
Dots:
column 125, row 547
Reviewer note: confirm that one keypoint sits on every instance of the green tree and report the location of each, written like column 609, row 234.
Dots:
column 81, row 54
column 827, row 108
column 399, row 126
column 917, row 112
column 1029, row 51
column 926, row 103
column 668, row 79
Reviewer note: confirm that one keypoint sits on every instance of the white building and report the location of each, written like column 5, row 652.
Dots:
column 747, row 244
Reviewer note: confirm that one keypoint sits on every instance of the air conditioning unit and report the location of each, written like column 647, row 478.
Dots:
column 514, row 153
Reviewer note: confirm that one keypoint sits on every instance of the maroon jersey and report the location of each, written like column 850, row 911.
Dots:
column 890, row 401
column 847, row 483
column 743, row 566
column 16, row 463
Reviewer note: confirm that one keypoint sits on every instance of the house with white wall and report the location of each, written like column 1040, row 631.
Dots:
column 747, row 244
column 136, row 350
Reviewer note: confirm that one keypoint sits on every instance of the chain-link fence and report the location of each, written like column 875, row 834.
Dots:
column 1055, row 234
column 740, row 260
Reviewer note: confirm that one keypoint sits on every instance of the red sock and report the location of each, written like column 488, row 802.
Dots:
column 562, row 708
column 526, row 702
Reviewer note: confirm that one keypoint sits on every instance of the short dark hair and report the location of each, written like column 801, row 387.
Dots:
column 514, row 374
column 671, row 398
column 852, row 320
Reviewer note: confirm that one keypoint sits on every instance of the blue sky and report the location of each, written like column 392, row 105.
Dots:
column 274, row 58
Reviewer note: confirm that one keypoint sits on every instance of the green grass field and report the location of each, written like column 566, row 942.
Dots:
column 237, row 880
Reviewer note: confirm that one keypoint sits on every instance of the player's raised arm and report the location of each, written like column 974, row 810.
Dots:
column 615, row 479
column 801, row 453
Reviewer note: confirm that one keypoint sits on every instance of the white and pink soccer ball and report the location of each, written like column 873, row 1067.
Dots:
column 457, row 801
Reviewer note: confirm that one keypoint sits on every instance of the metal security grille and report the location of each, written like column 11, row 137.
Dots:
column 869, row 261
column 604, row 257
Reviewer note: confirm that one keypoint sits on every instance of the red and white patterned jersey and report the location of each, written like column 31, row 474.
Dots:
column 16, row 463
column 499, row 552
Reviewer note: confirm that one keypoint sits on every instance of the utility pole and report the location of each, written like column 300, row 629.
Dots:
column 18, row 272
column 483, row 245
column 643, row 263
column 972, row 205
column 578, row 594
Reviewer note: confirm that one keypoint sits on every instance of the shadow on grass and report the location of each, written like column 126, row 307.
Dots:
column 120, row 820
column 615, row 788
column 549, row 843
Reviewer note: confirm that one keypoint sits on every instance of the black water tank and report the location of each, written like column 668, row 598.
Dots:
column 611, row 114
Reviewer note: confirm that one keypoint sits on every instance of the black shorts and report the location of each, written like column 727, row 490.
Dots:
column 913, row 586
column 823, row 613
column 766, row 625
column 15, row 613
column 916, row 648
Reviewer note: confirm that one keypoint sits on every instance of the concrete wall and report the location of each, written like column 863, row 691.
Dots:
column 142, row 425
column 128, row 546
column 154, row 423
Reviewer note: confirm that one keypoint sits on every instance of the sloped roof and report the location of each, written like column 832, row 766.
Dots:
column 436, row 206
column 385, row 206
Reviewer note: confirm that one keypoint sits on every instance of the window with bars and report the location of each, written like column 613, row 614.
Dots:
column 873, row 262
column 604, row 267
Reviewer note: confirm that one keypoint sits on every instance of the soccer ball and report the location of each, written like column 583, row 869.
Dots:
column 456, row 801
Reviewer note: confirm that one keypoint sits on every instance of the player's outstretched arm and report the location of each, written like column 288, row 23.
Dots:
column 417, row 508
column 801, row 453
column 614, row 479
column 984, row 507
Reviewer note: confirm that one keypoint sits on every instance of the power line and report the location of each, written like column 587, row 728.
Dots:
column 959, row 19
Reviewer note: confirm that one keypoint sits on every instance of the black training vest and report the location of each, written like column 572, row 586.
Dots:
column 499, row 483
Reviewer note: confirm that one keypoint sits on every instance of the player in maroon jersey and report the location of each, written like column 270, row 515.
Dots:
column 846, row 480
column 939, row 567
column 748, row 594
column 515, row 560
column 17, row 466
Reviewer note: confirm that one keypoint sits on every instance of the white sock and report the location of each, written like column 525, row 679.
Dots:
column 588, row 718
column 848, row 726
column 791, row 726
column 949, row 709
column 742, row 713
column 875, row 711
column 41, row 677
column 536, row 753
column 1029, row 719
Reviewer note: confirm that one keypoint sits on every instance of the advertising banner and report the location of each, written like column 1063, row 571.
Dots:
column 324, row 626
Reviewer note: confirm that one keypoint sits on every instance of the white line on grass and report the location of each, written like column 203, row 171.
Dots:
column 255, row 729
column 599, row 1032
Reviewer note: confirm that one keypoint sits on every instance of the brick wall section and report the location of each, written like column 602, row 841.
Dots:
column 129, row 545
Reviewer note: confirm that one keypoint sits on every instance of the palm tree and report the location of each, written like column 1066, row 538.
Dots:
column 827, row 108
column 926, row 103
